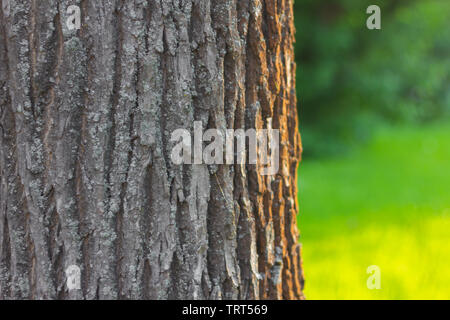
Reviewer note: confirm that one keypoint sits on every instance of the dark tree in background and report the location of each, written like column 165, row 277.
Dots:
column 352, row 80
column 86, row 177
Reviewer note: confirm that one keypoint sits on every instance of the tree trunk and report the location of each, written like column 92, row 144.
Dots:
column 86, row 174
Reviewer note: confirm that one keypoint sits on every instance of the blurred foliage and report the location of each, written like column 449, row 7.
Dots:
column 351, row 79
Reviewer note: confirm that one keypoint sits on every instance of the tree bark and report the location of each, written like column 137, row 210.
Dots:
column 86, row 177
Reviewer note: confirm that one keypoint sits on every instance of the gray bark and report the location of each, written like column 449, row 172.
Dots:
column 86, row 177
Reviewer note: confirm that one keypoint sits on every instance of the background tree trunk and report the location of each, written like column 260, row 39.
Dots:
column 86, row 177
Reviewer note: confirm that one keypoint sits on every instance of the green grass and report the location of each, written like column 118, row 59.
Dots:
column 385, row 204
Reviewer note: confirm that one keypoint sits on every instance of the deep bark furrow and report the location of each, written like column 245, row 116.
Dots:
column 99, row 38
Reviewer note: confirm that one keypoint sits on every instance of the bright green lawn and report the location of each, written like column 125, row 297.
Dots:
column 386, row 204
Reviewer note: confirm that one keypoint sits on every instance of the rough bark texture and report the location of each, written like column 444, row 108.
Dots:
column 86, row 177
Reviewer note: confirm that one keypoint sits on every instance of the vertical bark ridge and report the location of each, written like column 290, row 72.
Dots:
column 203, row 51
column 69, row 106
column 119, row 140
column 29, row 124
column 5, row 240
column 255, row 74
column 247, row 250
column 99, row 38
column 14, row 262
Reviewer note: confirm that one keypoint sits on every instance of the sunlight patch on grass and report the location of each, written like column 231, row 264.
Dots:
column 386, row 204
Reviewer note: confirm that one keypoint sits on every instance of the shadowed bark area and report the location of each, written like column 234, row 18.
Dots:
column 86, row 176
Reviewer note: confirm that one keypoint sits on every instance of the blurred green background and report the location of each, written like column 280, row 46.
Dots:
column 374, row 109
